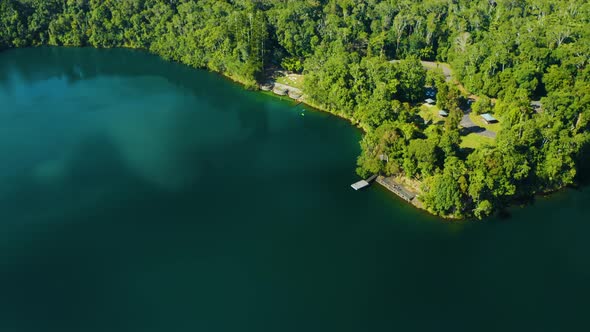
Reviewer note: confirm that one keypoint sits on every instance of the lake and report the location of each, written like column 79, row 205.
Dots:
column 141, row 195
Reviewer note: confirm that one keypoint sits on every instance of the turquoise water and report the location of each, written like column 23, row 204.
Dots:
column 140, row 195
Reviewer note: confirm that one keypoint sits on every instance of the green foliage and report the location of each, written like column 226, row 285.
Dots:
column 421, row 158
column 389, row 140
column 482, row 105
column 224, row 37
column 13, row 27
column 483, row 209
column 445, row 192
column 292, row 64
column 412, row 77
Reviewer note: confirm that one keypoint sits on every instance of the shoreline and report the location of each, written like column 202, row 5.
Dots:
column 305, row 101
column 255, row 86
column 414, row 202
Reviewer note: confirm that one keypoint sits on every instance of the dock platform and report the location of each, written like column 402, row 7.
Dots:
column 363, row 183
column 359, row 185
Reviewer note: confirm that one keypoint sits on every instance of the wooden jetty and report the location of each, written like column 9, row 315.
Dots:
column 363, row 183
column 395, row 188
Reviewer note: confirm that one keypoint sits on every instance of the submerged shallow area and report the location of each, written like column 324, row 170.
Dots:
column 141, row 195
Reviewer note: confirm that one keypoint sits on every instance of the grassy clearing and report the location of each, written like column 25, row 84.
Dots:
column 293, row 80
column 430, row 113
column 474, row 141
column 495, row 127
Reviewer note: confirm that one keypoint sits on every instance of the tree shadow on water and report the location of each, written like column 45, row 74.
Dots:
column 583, row 175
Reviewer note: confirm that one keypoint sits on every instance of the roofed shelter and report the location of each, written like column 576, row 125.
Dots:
column 488, row 118
column 430, row 101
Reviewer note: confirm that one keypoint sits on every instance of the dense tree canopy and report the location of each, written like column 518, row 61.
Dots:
column 508, row 52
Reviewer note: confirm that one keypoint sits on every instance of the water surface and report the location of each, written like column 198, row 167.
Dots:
column 140, row 195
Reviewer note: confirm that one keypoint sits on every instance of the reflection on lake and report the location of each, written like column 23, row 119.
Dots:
column 140, row 195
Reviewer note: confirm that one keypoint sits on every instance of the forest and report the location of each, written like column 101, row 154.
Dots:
column 504, row 55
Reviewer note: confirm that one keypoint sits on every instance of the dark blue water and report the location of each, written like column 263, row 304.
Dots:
column 140, row 195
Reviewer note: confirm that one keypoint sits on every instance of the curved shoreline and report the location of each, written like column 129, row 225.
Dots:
column 256, row 86
column 355, row 123
column 382, row 181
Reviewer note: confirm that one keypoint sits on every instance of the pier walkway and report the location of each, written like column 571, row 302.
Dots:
column 397, row 189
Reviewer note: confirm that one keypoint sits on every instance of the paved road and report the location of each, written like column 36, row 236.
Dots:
column 468, row 124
